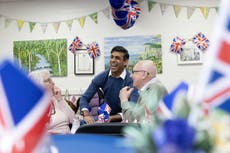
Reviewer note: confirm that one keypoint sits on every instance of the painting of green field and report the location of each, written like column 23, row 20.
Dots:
column 36, row 54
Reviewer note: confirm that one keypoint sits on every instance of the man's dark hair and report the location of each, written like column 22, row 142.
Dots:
column 121, row 50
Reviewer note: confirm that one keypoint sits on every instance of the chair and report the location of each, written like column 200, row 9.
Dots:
column 115, row 128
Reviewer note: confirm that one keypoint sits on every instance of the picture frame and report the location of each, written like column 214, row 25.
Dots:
column 83, row 63
column 190, row 55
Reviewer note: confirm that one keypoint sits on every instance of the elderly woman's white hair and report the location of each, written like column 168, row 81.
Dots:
column 38, row 75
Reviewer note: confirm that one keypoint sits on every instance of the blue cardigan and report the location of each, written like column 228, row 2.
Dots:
column 111, row 87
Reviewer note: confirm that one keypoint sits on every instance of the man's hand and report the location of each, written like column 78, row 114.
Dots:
column 88, row 118
column 125, row 93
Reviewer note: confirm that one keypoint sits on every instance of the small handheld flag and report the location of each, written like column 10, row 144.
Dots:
column 24, row 109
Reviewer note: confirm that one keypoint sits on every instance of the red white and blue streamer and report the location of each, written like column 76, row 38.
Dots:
column 75, row 45
column 201, row 41
column 93, row 49
column 176, row 46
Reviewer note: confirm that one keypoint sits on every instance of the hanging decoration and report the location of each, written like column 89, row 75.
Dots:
column 125, row 12
column 201, row 41
column 75, row 45
column 93, row 49
column 176, row 46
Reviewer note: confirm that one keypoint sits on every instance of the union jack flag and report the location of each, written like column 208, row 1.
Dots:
column 75, row 45
column 166, row 106
column 201, row 41
column 24, row 109
column 103, row 112
column 214, row 85
column 133, row 13
column 93, row 49
column 126, row 16
column 176, row 46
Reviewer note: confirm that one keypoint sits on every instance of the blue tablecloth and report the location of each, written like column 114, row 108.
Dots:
column 89, row 143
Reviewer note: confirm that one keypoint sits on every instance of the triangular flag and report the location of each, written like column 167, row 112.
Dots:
column 44, row 27
column 190, row 11
column 139, row 1
column 93, row 16
column 151, row 4
column 32, row 25
column 7, row 22
column 20, row 24
column 56, row 26
column 69, row 24
column 106, row 12
column 177, row 9
column 82, row 21
column 217, row 9
column 204, row 11
column 163, row 8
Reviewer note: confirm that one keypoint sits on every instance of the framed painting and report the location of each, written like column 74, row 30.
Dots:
column 38, row 54
column 190, row 55
column 83, row 63
column 139, row 47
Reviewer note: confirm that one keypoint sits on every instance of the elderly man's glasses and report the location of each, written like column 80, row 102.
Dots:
column 135, row 71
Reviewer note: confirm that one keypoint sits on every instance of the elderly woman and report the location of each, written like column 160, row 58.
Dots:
column 61, row 113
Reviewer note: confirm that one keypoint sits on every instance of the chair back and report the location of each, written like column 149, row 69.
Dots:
column 114, row 128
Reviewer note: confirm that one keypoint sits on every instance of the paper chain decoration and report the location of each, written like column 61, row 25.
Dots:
column 200, row 40
column 177, row 44
column 125, row 12
column 93, row 48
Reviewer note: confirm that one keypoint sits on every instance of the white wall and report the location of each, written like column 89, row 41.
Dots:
column 149, row 23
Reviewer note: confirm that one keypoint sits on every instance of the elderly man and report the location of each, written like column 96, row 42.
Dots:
column 150, row 89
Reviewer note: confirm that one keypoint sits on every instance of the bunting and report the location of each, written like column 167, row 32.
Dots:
column 69, row 24
column 32, row 25
column 20, row 24
column 56, row 26
column 163, row 8
column 177, row 8
column 82, row 21
column 43, row 27
column 151, row 4
column 190, row 11
column 204, row 11
column 7, row 22
column 93, row 16
column 107, row 13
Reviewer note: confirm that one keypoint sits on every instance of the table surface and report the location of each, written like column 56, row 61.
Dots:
column 89, row 143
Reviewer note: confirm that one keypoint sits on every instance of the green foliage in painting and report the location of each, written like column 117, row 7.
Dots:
column 54, row 51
